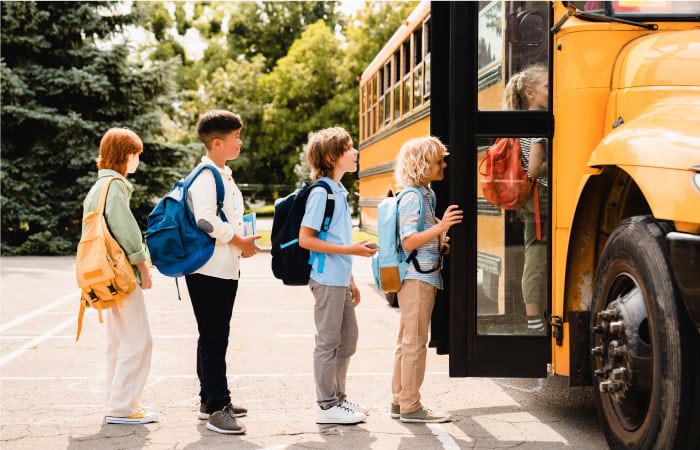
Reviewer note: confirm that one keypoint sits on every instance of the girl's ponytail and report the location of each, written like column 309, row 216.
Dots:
column 514, row 97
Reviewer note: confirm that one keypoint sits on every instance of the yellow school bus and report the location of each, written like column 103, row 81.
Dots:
column 619, row 259
column 394, row 106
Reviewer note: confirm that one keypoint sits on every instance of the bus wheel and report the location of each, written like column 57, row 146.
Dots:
column 641, row 343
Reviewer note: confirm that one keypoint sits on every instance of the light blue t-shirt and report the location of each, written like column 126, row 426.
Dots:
column 337, row 269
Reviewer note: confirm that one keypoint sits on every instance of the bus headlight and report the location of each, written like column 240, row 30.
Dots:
column 696, row 180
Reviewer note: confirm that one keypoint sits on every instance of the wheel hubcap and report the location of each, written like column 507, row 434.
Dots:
column 623, row 352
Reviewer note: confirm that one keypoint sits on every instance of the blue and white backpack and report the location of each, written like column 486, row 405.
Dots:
column 388, row 264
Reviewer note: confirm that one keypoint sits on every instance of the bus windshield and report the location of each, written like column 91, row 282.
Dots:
column 631, row 9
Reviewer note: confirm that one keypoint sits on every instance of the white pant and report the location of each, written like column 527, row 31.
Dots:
column 129, row 348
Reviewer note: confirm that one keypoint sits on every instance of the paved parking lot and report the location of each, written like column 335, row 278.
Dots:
column 51, row 386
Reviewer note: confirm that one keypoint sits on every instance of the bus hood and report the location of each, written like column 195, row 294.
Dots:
column 655, row 100
column 666, row 134
column 661, row 59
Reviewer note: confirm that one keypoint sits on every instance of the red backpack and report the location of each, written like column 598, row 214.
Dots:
column 503, row 178
column 504, row 181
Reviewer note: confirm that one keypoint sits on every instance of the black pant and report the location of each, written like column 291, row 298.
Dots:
column 212, row 302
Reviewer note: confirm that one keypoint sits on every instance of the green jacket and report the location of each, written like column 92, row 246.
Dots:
column 120, row 220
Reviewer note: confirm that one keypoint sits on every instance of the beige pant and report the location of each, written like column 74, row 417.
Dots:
column 416, row 301
column 129, row 348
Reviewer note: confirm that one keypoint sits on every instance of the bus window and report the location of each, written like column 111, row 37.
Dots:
column 386, row 91
column 406, row 72
column 501, row 54
column 364, row 112
column 397, row 84
column 512, row 252
column 426, row 49
column 418, row 67
column 374, row 108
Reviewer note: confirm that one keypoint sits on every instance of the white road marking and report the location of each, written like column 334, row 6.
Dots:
column 41, row 338
column 37, row 312
column 443, row 436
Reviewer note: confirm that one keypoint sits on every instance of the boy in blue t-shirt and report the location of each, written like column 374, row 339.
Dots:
column 330, row 154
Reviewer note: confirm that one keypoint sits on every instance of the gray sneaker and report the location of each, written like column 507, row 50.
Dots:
column 425, row 415
column 223, row 422
column 238, row 411
column 395, row 411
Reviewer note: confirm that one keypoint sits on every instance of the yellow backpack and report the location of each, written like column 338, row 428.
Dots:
column 102, row 269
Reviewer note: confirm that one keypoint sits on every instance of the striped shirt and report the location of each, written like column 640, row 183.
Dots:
column 525, row 145
column 428, row 255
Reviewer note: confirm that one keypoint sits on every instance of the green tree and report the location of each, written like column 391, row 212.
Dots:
column 66, row 80
column 313, row 85
column 298, row 88
column 368, row 30
column 366, row 33
column 270, row 28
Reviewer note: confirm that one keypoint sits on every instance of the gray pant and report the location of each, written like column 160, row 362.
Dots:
column 336, row 341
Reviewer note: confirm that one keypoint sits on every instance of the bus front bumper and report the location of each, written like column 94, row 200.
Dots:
column 684, row 252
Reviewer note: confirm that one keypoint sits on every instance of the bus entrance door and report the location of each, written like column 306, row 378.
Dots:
column 493, row 315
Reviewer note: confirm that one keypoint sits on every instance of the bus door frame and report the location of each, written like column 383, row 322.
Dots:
column 456, row 120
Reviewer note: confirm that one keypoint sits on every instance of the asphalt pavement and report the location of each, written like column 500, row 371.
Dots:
column 51, row 386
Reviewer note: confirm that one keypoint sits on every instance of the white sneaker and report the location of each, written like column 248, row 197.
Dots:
column 143, row 416
column 338, row 414
column 355, row 407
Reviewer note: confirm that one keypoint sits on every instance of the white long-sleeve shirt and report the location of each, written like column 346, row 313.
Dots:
column 225, row 262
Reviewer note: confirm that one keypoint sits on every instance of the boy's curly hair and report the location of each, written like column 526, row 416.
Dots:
column 324, row 149
column 414, row 160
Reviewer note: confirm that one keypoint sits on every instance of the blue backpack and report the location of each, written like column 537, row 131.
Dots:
column 388, row 264
column 176, row 245
column 290, row 262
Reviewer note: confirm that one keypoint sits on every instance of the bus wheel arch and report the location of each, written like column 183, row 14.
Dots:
column 603, row 203
column 641, row 346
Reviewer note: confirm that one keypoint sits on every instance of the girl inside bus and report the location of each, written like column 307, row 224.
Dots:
column 529, row 90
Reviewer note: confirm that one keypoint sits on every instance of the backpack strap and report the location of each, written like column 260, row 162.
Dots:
column 220, row 192
column 102, row 202
column 538, row 224
column 325, row 225
column 412, row 257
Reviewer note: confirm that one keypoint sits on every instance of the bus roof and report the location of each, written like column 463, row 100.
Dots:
column 417, row 17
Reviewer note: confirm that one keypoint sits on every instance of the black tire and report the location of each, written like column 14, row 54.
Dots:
column 643, row 348
column 392, row 299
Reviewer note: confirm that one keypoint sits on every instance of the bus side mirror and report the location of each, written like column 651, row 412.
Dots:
column 527, row 28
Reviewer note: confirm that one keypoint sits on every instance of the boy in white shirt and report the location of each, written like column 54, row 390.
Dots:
column 213, row 286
